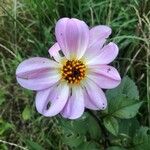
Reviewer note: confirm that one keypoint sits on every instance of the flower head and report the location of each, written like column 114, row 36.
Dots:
column 70, row 83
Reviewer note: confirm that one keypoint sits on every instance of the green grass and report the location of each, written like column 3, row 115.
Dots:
column 27, row 30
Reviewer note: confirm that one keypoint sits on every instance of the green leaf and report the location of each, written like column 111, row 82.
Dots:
column 33, row 145
column 73, row 140
column 127, row 130
column 93, row 127
column 127, row 88
column 116, row 148
column 111, row 125
column 74, row 131
column 128, row 127
column 84, row 125
column 141, row 139
column 78, row 126
column 127, row 109
column 4, row 126
column 123, row 100
column 123, row 107
column 3, row 147
column 26, row 114
column 88, row 146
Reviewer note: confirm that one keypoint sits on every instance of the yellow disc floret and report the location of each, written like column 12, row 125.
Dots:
column 73, row 71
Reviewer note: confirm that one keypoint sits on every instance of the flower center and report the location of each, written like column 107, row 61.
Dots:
column 73, row 71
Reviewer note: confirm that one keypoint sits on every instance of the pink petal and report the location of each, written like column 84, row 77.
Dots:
column 98, row 35
column 107, row 54
column 99, row 32
column 107, row 77
column 75, row 105
column 88, row 102
column 94, row 49
column 54, row 52
column 42, row 99
column 37, row 73
column 72, row 36
column 96, row 95
column 56, row 96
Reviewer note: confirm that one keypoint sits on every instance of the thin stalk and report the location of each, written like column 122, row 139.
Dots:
column 13, row 144
column 148, row 87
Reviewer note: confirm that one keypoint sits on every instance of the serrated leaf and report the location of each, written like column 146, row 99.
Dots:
column 123, row 107
column 123, row 100
column 33, row 145
column 127, row 109
column 111, row 124
column 127, row 88
column 26, row 114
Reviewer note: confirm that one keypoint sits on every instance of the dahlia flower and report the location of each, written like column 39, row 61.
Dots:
column 78, row 70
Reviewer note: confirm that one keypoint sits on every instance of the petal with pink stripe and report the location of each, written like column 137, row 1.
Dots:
column 105, row 76
column 96, row 95
column 73, row 37
column 51, row 101
column 74, row 108
column 98, row 35
column 105, row 56
column 54, row 52
column 37, row 73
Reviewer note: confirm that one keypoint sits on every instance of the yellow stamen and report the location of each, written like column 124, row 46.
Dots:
column 73, row 71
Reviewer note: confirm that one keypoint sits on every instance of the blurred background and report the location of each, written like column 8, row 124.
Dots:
column 27, row 30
